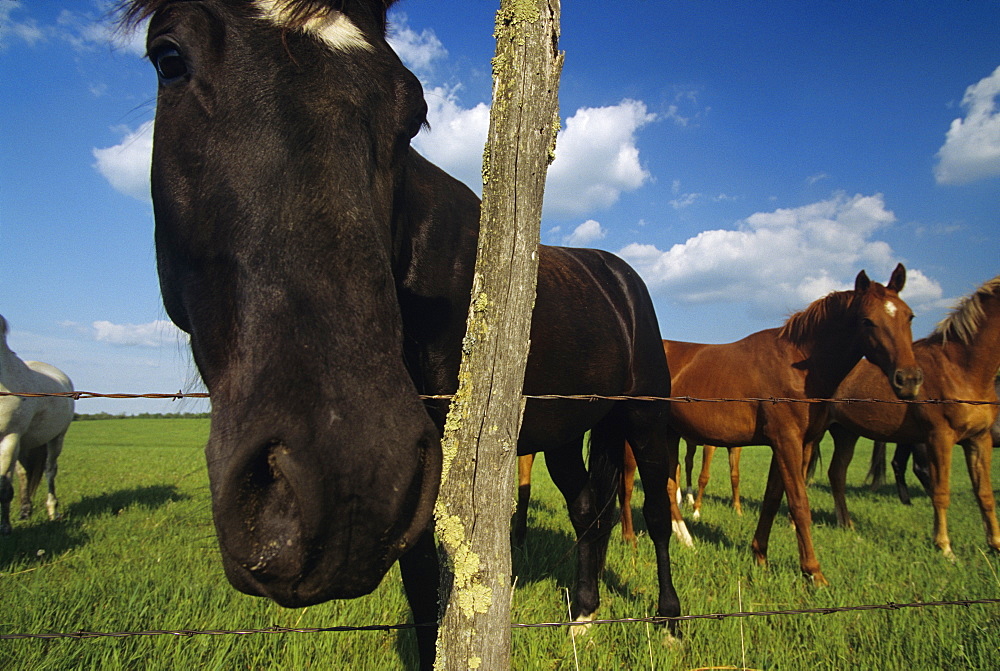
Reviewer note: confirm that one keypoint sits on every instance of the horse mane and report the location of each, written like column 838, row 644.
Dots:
column 3, row 327
column 298, row 12
column 962, row 323
column 803, row 326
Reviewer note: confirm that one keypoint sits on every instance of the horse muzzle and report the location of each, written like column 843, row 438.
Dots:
column 906, row 382
column 301, row 527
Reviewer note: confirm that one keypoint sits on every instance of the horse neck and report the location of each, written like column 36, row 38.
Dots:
column 831, row 356
column 980, row 356
column 435, row 227
column 827, row 342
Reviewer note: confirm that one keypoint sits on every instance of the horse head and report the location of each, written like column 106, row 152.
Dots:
column 885, row 337
column 281, row 133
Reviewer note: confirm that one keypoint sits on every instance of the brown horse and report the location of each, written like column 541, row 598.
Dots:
column 959, row 359
column 805, row 358
column 679, row 353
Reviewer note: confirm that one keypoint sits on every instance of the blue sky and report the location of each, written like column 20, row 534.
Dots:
column 745, row 157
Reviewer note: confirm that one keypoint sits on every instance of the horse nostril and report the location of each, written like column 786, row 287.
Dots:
column 270, row 515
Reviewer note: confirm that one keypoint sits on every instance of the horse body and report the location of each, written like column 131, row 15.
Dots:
column 959, row 360
column 806, row 358
column 323, row 270
column 32, row 429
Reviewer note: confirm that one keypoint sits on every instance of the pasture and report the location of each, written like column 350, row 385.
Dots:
column 136, row 551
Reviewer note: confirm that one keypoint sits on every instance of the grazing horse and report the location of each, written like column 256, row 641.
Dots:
column 805, row 358
column 323, row 269
column 32, row 429
column 960, row 360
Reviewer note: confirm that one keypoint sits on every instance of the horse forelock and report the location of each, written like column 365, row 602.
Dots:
column 962, row 323
column 331, row 20
column 805, row 325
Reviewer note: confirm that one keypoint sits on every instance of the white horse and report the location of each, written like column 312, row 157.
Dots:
column 31, row 429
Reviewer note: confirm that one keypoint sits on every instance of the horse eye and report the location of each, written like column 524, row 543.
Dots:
column 169, row 64
column 868, row 322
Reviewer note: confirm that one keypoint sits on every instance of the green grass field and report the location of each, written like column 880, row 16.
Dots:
column 136, row 551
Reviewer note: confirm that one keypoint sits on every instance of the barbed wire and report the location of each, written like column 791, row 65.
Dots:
column 176, row 396
column 826, row 610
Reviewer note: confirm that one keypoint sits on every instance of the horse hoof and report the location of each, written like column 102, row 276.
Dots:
column 696, row 515
column 584, row 626
column 5, row 529
column 682, row 534
column 819, row 580
column 671, row 641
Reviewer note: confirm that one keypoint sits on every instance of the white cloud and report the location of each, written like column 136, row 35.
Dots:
column 126, row 165
column 456, row 137
column 82, row 30
column 596, row 155
column 780, row 261
column 584, row 234
column 596, row 158
column 971, row 149
column 418, row 51
column 26, row 31
column 154, row 334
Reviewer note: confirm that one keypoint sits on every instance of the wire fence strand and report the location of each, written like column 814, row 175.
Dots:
column 828, row 610
column 178, row 395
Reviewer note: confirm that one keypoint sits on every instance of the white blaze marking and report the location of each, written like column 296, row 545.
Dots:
column 890, row 308
column 332, row 27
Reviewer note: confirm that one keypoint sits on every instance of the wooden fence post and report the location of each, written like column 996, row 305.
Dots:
column 478, row 482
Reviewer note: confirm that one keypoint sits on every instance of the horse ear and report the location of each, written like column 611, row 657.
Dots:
column 861, row 282
column 898, row 278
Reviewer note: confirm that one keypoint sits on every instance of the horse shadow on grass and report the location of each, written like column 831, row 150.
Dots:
column 39, row 540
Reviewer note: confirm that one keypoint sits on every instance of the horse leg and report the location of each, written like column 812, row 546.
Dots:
column 52, row 452
column 9, row 446
column 978, row 457
column 569, row 474
column 768, row 509
column 789, row 452
column 625, row 497
column 30, row 468
column 707, row 453
column 921, row 469
column 941, row 490
column 656, row 468
column 420, row 571
column 875, row 477
column 899, row 459
column 519, row 525
column 689, row 455
column 844, row 443
column 734, row 477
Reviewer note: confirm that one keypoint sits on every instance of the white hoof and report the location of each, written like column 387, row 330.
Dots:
column 696, row 515
column 682, row 534
column 584, row 628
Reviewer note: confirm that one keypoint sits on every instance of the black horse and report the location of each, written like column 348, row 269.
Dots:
column 323, row 269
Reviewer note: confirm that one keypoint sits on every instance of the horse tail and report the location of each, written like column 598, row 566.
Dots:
column 876, row 471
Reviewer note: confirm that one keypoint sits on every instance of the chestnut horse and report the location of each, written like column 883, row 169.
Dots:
column 960, row 360
column 806, row 358
column 323, row 269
